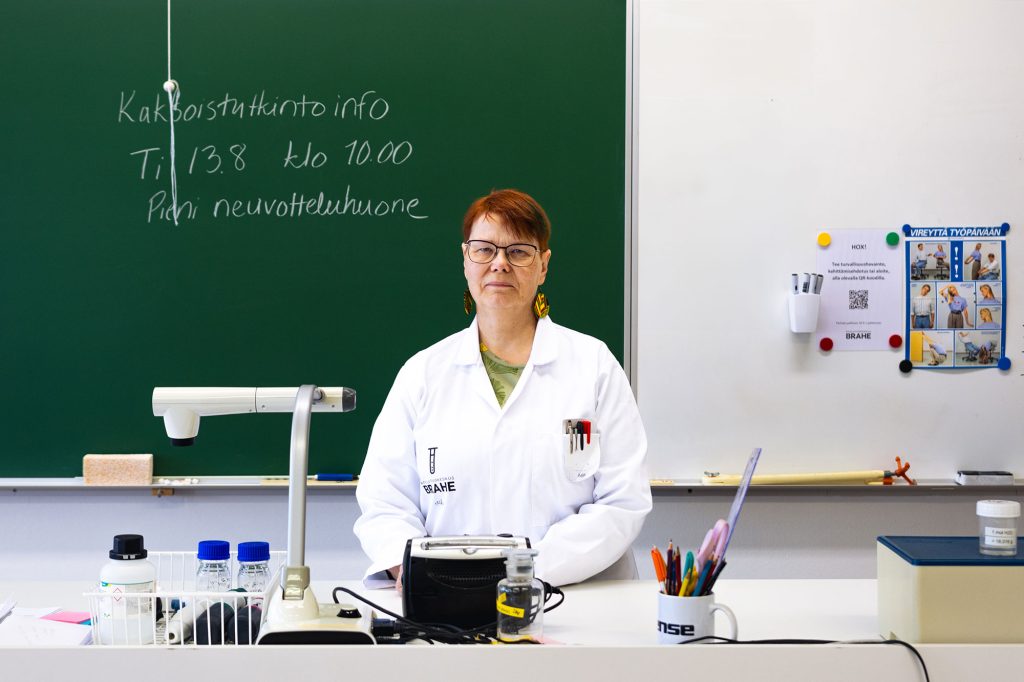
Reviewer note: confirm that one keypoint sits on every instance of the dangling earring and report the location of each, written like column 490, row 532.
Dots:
column 541, row 307
column 467, row 302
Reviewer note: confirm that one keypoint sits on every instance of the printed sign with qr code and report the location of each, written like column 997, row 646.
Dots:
column 861, row 306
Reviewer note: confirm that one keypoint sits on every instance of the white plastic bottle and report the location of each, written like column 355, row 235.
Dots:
column 126, row 618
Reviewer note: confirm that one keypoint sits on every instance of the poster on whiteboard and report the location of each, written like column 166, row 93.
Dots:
column 956, row 297
column 860, row 296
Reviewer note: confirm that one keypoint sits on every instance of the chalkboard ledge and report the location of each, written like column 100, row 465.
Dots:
column 681, row 486
column 168, row 485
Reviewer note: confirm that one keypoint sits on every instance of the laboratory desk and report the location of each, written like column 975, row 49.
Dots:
column 605, row 631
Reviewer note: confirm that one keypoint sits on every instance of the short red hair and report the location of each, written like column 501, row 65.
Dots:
column 517, row 211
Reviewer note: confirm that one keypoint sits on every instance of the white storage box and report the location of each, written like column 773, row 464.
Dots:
column 942, row 589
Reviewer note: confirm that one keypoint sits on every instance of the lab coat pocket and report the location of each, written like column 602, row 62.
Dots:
column 580, row 461
column 561, row 481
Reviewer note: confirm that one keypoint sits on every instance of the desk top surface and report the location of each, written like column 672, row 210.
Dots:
column 620, row 612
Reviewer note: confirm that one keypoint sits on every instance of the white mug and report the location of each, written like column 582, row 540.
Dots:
column 683, row 618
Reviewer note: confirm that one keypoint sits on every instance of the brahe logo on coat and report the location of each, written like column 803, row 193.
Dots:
column 433, row 456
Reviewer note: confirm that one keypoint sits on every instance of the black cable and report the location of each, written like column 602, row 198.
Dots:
column 897, row 642
column 445, row 634
column 550, row 590
column 450, row 634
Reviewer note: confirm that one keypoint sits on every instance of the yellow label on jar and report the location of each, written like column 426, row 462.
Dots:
column 509, row 610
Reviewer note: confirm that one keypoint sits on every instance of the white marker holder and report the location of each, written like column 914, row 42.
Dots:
column 803, row 312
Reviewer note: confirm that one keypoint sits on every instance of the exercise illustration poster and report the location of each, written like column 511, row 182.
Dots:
column 956, row 296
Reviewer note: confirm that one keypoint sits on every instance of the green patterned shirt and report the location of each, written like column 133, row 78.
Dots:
column 503, row 376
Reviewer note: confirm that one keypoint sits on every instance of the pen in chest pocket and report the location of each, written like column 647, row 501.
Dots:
column 579, row 432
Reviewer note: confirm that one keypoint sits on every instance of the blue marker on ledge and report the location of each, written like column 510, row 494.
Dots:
column 335, row 477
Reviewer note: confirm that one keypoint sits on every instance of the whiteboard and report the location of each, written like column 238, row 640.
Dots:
column 762, row 124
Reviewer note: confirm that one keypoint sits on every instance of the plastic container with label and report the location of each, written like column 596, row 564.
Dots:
column 997, row 527
column 124, row 617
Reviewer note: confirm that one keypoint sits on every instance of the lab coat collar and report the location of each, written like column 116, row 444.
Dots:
column 545, row 344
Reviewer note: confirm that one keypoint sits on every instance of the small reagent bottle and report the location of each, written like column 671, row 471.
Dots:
column 213, row 573
column 254, row 569
column 520, row 599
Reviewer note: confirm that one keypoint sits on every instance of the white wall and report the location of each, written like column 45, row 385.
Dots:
column 66, row 534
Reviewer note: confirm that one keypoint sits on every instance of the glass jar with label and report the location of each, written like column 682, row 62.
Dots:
column 520, row 599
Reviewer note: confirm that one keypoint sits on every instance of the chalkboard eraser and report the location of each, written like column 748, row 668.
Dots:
column 971, row 477
column 117, row 469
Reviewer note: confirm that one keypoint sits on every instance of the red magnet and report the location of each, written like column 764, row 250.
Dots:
column 895, row 340
column 825, row 343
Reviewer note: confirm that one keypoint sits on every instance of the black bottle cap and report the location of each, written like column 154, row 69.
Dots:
column 128, row 547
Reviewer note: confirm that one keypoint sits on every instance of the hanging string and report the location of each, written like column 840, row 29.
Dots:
column 173, row 94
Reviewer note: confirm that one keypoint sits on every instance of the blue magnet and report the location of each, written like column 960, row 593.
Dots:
column 1004, row 363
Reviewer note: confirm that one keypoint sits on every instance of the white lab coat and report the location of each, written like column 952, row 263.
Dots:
column 445, row 459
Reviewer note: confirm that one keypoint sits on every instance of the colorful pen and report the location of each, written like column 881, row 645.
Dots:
column 714, row 577
column 698, row 590
column 670, row 560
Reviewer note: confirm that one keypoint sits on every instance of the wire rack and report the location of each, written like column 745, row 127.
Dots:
column 175, row 614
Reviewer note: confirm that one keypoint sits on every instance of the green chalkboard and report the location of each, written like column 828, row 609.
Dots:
column 413, row 108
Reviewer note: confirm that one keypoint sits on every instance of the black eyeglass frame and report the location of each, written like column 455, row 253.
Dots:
column 536, row 250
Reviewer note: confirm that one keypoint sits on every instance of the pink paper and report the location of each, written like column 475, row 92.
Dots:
column 68, row 616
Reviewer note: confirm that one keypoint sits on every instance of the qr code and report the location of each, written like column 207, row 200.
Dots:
column 858, row 299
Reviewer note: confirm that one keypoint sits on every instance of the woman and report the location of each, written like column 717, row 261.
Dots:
column 958, row 313
column 471, row 439
column 923, row 314
column 986, row 321
column 940, row 259
column 974, row 260
column 988, row 297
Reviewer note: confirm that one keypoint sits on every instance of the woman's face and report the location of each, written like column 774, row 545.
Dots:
column 986, row 291
column 986, row 315
column 499, row 285
column 953, row 291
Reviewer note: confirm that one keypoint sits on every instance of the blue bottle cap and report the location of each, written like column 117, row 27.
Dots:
column 254, row 551
column 214, row 550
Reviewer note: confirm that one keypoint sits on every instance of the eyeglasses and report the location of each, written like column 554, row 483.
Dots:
column 483, row 252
